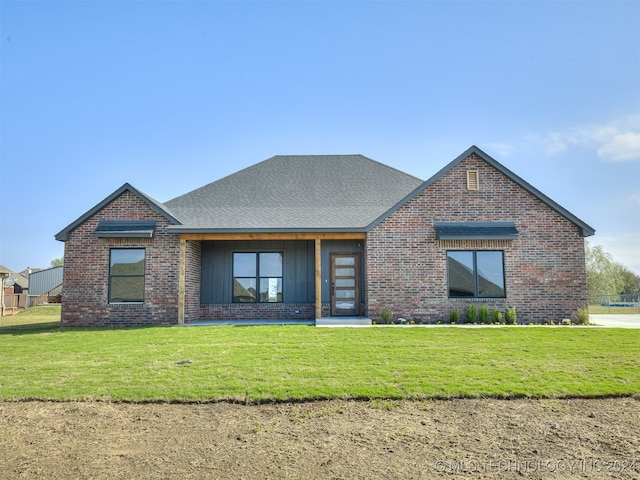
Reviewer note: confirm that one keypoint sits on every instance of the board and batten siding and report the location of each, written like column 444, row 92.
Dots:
column 217, row 269
column 298, row 273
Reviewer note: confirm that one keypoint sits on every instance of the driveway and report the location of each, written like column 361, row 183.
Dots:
column 617, row 321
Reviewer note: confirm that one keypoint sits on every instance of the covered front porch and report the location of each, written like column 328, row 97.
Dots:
column 294, row 277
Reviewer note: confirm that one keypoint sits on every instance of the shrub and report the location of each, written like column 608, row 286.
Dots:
column 496, row 316
column 385, row 315
column 510, row 317
column 484, row 314
column 454, row 316
column 582, row 316
column 472, row 314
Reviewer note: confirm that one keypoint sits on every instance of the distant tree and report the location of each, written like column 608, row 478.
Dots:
column 606, row 276
column 630, row 281
column 57, row 262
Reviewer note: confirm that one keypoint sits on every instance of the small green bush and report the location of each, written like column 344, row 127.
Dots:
column 454, row 316
column 510, row 317
column 472, row 314
column 496, row 317
column 385, row 315
column 484, row 314
column 582, row 316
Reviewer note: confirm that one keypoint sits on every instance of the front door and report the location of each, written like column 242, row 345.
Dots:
column 345, row 284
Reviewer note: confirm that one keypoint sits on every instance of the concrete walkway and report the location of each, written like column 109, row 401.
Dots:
column 616, row 321
column 608, row 321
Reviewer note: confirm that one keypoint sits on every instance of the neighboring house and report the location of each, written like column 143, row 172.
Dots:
column 305, row 237
column 45, row 286
column 14, row 282
column 15, row 288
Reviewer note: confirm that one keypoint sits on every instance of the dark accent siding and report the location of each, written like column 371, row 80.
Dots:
column 299, row 268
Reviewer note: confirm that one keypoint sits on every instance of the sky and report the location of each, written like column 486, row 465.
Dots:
column 172, row 95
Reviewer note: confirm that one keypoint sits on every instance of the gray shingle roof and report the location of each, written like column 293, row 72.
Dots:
column 295, row 193
column 304, row 193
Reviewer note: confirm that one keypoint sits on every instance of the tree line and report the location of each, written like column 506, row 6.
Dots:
column 605, row 276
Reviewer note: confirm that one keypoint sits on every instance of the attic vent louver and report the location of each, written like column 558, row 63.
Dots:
column 473, row 181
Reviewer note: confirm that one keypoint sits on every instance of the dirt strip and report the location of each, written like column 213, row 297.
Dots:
column 486, row 438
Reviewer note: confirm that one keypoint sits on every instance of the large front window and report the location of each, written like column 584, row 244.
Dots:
column 126, row 275
column 257, row 277
column 478, row 274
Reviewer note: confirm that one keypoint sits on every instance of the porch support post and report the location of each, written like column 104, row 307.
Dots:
column 318, row 278
column 182, row 280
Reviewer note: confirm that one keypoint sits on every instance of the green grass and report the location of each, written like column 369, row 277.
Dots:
column 603, row 310
column 37, row 317
column 276, row 363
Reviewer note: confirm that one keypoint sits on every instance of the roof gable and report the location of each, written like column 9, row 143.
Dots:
column 295, row 193
column 63, row 235
column 584, row 227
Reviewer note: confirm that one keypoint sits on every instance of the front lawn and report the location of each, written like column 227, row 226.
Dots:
column 267, row 363
column 35, row 317
column 607, row 310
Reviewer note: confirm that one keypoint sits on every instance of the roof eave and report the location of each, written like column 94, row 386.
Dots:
column 187, row 229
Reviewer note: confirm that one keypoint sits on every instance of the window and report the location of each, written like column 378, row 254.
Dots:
column 478, row 274
column 126, row 275
column 257, row 277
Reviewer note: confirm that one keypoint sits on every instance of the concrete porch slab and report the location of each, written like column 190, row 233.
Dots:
column 343, row 322
column 244, row 323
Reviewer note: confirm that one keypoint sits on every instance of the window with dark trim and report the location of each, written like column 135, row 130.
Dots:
column 476, row 274
column 257, row 277
column 126, row 275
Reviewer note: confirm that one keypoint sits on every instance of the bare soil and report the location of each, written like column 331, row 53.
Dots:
column 483, row 438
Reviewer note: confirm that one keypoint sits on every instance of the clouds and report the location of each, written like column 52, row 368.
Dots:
column 620, row 148
column 625, row 248
column 617, row 141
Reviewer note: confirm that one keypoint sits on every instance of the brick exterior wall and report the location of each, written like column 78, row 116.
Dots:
column 406, row 266
column 258, row 311
column 85, row 297
column 192, row 284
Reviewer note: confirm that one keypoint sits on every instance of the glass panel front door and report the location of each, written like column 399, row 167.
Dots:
column 345, row 284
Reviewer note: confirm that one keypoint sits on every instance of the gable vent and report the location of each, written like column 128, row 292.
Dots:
column 473, row 182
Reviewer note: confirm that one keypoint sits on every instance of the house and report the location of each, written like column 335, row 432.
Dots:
column 15, row 282
column 15, row 288
column 45, row 285
column 300, row 238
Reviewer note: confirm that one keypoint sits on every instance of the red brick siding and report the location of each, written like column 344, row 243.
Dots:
column 258, row 311
column 192, row 285
column 407, row 269
column 85, row 298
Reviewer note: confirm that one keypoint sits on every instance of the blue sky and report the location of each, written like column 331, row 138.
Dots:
column 171, row 95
